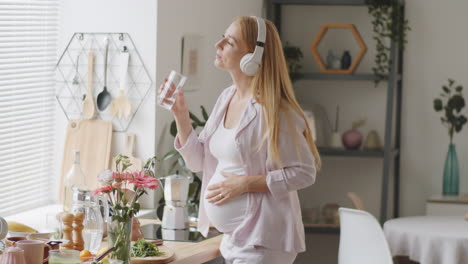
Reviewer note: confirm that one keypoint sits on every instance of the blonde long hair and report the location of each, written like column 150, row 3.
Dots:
column 272, row 87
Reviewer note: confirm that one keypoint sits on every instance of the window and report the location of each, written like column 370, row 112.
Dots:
column 28, row 48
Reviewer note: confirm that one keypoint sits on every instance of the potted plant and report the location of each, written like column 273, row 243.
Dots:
column 388, row 26
column 293, row 56
column 451, row 102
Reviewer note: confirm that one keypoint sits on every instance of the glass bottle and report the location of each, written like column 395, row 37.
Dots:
column 75, row 178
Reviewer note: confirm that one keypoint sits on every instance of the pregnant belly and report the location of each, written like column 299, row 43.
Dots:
column 225, row 217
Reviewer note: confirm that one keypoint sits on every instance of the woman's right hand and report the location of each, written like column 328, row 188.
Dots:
column 180, row 111
column 179, row 108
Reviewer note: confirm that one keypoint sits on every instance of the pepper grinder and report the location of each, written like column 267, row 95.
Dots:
column 78, row 240
column 67, row 221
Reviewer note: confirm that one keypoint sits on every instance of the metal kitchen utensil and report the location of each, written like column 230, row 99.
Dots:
column 121, row 105
column 175, row 215
column 104, row 98
column 88, row 104
column 76, row 79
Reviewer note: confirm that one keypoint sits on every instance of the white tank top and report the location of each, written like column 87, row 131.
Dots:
column 228, row 216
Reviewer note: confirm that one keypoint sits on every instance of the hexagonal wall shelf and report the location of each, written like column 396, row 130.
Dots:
column 318, row 58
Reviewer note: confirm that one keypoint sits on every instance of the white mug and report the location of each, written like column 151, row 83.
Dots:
column 33, row 251
column 3, row 228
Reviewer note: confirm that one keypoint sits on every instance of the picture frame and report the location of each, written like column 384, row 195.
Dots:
column 191, row 61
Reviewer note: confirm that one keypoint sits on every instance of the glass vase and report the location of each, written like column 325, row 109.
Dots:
column 451, row 172
column 119, row 235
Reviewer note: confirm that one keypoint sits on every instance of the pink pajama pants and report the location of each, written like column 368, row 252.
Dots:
column 249, row 254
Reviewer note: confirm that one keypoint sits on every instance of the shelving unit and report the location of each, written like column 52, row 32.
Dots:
column 390, row 154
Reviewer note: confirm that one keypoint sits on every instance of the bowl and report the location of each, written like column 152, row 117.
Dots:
column 45, row 235
column 10, row 241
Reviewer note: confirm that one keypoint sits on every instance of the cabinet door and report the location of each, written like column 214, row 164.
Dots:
column 446, row 209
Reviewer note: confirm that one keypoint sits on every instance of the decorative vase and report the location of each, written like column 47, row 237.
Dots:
column 352, row 139
column 119, row 235
column 372, row 142
column 335, row 141
column 451, row 172
column 336, row 63
column 330, row 59
column 345, row 60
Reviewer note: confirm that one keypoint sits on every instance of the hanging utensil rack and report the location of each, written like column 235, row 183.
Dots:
column 73, row 61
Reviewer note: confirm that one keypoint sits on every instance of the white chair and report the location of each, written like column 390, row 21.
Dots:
column 362, row 240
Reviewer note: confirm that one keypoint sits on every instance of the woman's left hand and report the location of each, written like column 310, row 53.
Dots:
column 221, row 192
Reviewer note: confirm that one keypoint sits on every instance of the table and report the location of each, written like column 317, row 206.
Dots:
column 447, row 205
column 199, row 252
column 186, row 252
column 429, row 239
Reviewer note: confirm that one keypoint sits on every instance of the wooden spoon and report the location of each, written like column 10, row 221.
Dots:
column 89, row 108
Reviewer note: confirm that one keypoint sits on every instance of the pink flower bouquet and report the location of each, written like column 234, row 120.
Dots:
column 123, row 189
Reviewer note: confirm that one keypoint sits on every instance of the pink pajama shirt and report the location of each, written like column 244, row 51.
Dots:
column 272, row 221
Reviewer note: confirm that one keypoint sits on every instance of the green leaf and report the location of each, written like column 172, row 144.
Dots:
column 451, row 82
column 446, row 89
column 437, row 105
column 459, row 88
column 173, row 129
column 456, row 102
column 182, row 162
column 194, row 118
column 170, row 154
column 204, row 113
column 174, row 164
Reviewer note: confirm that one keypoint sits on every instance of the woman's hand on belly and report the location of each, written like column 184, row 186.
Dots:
column 221, row 192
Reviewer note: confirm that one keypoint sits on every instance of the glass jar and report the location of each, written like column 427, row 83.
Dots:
column 93, row 223
column 64, row 256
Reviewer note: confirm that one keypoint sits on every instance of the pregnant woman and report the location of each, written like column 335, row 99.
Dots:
column 256, row 150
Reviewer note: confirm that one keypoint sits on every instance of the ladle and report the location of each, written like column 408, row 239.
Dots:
column 104, row 98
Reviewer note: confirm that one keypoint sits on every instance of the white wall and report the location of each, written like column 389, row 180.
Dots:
column 436, row 52
column 137, row 18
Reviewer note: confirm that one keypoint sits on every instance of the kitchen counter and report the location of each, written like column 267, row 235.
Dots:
column 193, row 253
column 198, row 252
column 185, row 252
column 190, row 252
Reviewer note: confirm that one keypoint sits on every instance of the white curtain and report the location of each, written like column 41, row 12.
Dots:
column 28, row 48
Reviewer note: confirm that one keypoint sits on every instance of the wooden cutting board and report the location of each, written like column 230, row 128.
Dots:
column 129, row 143
column 168, row 257
column 93, row 139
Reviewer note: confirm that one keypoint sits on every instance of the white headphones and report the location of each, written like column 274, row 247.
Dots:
column 250, row 63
